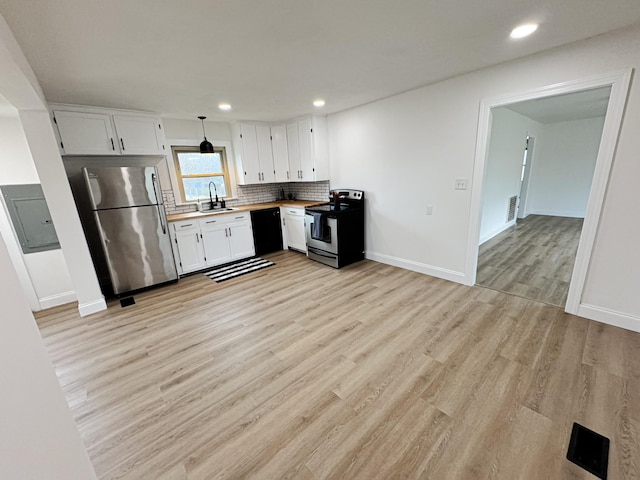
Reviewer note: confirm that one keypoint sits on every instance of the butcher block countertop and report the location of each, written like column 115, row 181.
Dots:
column 245, row 208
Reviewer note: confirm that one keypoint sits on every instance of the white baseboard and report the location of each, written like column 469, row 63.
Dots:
column 424, row 268
column 94, row 306
column 57, row 299
column 557, row 213
column 610, row 317
column 488, row 236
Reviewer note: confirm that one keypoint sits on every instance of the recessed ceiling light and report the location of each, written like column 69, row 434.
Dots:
column 224, row 106
column 525, row 30
column 318, row 103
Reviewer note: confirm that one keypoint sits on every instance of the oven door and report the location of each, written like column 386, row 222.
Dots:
column 331, row 243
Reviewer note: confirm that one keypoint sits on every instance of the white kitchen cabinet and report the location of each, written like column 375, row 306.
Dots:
column 293, row 227
column 262, row 153
column 188, row 248
column 215, row 240
column 265, row 154
column 139, row 135
column 212, row 240
column 308, row 150
column 95, row 131
column 83, row 133
column 241, row 239
column 245, row 146
column 280, row 152
column 293, row 149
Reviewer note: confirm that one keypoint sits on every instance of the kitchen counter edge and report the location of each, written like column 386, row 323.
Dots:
column 245, row 208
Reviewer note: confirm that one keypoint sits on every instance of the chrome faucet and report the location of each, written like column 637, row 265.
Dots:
column 213, row 205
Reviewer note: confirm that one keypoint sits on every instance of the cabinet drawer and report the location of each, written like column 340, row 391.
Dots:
column 223, row 219
column 184, row 225
column 293, row 212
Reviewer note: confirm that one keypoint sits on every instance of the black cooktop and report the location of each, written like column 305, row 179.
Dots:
column 329, row 207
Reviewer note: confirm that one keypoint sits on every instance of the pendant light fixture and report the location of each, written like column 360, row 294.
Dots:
column 205, row 147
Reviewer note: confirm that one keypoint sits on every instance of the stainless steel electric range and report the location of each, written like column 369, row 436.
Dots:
column 335, row 230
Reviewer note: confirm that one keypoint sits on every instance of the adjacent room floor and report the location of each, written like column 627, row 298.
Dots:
column 534, row 259
column 371, row 371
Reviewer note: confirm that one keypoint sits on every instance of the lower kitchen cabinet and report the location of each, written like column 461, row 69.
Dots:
column 241, row 239
column 212, row 240
column 293, row 228
column 188, row 250
column 215, row 240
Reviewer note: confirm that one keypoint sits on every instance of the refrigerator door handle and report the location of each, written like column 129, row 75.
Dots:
column 155, row 192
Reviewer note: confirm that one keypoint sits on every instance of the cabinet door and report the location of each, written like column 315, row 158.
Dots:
column 267, row 174
column 295, row 232
column 190, row 249
column 249, row 156
column 320, row 143
column 293, row 146
column 215, row 240
column 85, row 133
column 305, row 137
column 280, row 152
column 241, row 240
column 139, row 135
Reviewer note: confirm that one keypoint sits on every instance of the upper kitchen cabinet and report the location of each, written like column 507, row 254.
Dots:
column 84, row 133
column 245, row 147
column 265, row 154
column 139, row 135
column 280, row 153
column 93, row 131
column 261, row 153
column 308, row 149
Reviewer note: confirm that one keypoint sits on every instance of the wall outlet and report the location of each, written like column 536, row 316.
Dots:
column 429, row 209
column 461, row 183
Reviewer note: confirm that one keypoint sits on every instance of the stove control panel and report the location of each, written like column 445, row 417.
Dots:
column 347, row 194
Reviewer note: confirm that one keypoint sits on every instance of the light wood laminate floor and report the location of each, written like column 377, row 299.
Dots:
column 303, row 371
column 534, row 259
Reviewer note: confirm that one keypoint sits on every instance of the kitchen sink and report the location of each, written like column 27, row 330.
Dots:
column 218, row 210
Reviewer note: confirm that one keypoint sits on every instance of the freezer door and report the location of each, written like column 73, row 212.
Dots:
column 137, row 247
column 117, row 187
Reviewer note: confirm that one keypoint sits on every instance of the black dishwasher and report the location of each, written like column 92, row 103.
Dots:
column 267, row 232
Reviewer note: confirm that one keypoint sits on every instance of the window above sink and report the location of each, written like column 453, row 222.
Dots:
column 194, row 171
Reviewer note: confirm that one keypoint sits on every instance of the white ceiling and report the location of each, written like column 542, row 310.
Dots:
column 562, row 108
column 271, row 58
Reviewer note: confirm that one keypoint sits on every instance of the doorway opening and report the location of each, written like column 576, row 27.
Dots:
column 532, row 253
column 562, row 194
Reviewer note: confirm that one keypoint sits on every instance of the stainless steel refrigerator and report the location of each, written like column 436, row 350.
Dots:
column 132, row 226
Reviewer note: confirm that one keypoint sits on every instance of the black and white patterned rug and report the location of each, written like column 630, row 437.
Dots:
column 233, row 270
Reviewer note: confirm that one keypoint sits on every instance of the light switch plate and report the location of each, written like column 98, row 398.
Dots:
column 461, row 183
column 429, row 209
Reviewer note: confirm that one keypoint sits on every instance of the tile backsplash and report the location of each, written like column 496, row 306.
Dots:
column 269, row 192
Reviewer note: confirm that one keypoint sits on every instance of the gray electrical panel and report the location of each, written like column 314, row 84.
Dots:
column 30, row 216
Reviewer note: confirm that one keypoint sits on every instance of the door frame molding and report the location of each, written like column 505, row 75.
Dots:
column 619, row 81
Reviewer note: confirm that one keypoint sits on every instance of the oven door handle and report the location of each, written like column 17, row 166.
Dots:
column 330, row 255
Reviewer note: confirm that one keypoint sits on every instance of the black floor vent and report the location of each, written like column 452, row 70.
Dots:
column 125, row 302
column 589, row 450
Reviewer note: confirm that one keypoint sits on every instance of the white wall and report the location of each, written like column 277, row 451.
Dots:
column 186, row 129
column 19, row 85
column 503, row 167
column 38, row 439
column 47, row 271
column 562, row 173
column 406, row 151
